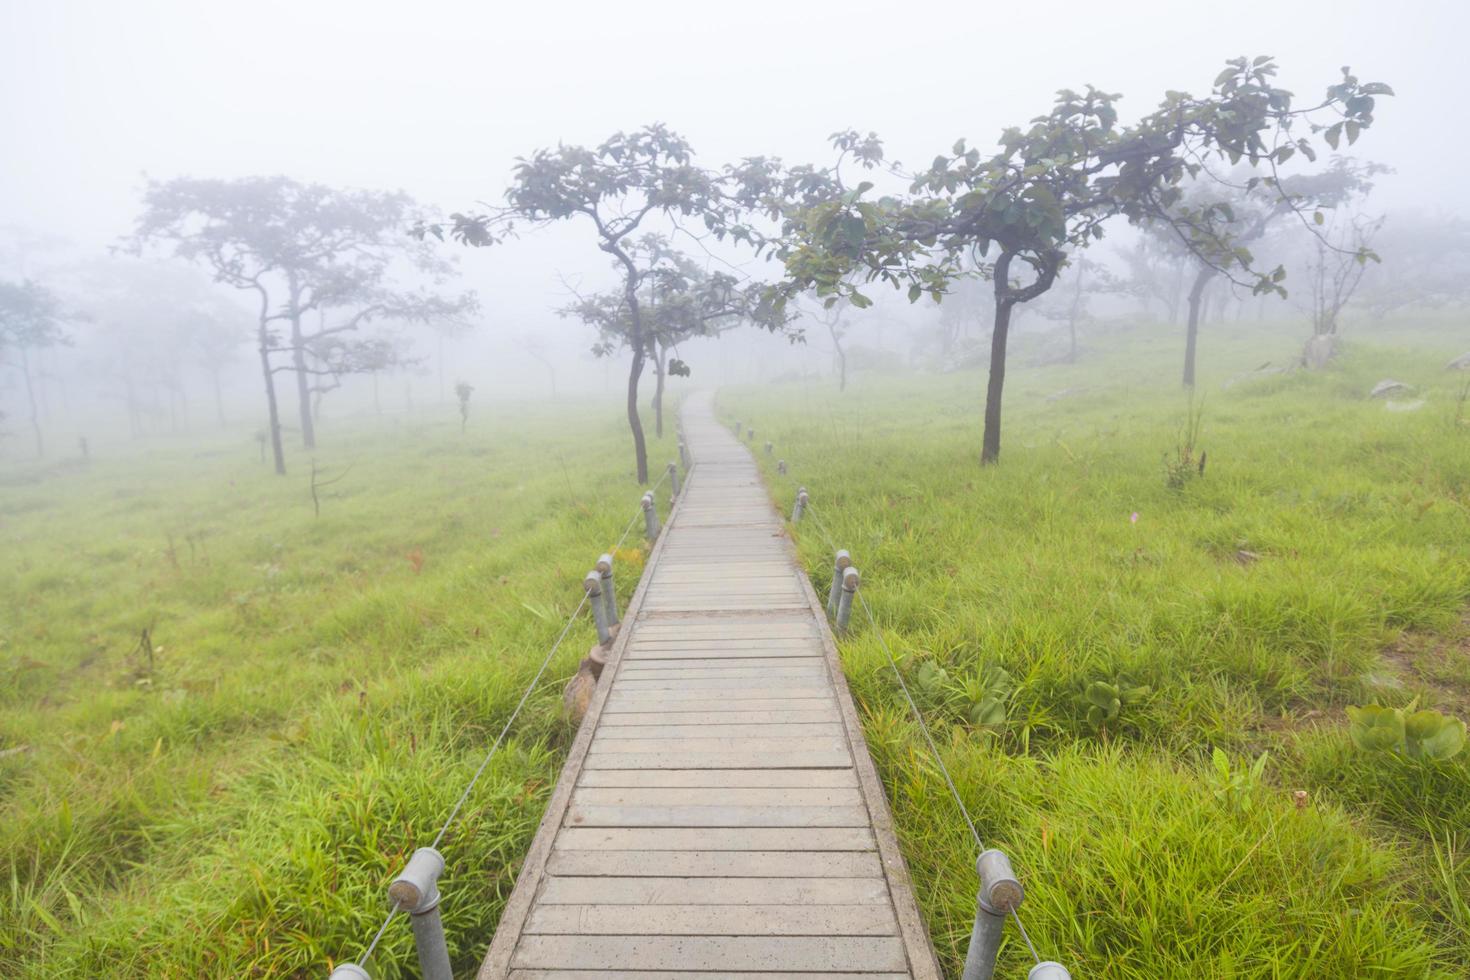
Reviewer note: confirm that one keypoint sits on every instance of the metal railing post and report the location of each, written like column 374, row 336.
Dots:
column 799, row 507
column 842, row 563
column 750, row 434
column 851, row 579
column 684, row 454
column 739, row 427
column 1048, row 970
column 416, row 891
column 674, row 479
column 770, row 448
column 609, row 593
column 349, row 971
column 592, row 582
column 650, row 516
column 781, row 466
column 1000, row 894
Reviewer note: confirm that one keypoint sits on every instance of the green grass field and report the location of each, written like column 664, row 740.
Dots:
column 321, row 688
column 1322, row 560
column 319, row 691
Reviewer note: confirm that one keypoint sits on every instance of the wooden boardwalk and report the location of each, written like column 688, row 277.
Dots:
column 719, row 815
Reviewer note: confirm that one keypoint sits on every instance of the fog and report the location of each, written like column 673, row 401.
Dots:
column 439, row 99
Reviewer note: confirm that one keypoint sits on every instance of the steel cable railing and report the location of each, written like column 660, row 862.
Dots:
column 1000, row 892
column 415, row 891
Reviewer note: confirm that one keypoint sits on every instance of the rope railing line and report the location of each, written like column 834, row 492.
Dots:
column 808, row 511
column 397, row 906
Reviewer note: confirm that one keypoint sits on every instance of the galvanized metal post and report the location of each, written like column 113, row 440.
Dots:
column 416, row 891
column 841, row 564
column 349, row 971
column 781, row 467
column 674, row 479
column 799, row 507
column 770, row 448
column 1000, row 894
column 592, row 582
column 750, row 434
column 684, row 454
column 650, row 516
column 850, row 582
column 1048, row 970
column 739, row 427
column 609, row 593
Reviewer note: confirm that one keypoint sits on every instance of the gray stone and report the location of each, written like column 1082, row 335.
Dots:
column 1388, row 386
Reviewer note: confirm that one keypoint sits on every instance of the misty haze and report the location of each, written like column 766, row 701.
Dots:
column 676, row 491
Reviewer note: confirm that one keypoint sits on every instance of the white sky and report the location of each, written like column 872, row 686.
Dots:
column 437, row 98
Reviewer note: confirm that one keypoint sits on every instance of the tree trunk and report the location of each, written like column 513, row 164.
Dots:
column 25, row 370
column 273, row 414
column 990, row 446
column 1191, row 332
column 841, row 367
column 640, row 447
column 660, row 352
column 298, row 359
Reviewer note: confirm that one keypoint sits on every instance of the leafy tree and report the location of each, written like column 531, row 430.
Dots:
column 1239, row 212
column 1053, row 186
column 31, row 319
column 614, row 187
column 682, row 301
column 300, row 248
column 1334, row 273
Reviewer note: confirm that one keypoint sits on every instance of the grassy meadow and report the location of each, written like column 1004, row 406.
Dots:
column 1321, row 560
column 233, row 801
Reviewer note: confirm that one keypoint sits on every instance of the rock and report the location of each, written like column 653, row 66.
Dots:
column 577, row 695
column 1388, row 386
column 1319, row 350
column 1412, row 406
column 1461, row 363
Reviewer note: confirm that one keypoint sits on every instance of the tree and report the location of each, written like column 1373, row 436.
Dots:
column 298, row 248
column 534, row 346
column 615, row 187
column 462, row 391
column 683, row 302
column 31, row 319
column 834, row 319
column 1240, row 213
column 1157, row 265
column 1334, row 273
column 1082, row 278
column 1053, row 186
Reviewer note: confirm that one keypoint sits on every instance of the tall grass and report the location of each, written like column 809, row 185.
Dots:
column 1321, row 559
column 318, row 693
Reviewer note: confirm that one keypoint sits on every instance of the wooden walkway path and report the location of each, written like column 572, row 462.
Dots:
column 719, row 815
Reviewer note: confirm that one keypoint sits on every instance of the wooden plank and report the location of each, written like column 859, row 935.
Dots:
column 716, row 864
column 809, row 716
column 692, row 975
column 830, row 729
column 801, row 953
column 717, row 795
column 613, row 741
column 715, row 838
column 712, row 920
column 720, row 777
column 644, row 704
column 721, row 760
column 631, row 692
column 582, row 815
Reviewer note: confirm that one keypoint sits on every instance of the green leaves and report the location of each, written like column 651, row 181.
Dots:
column 1425, row 734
